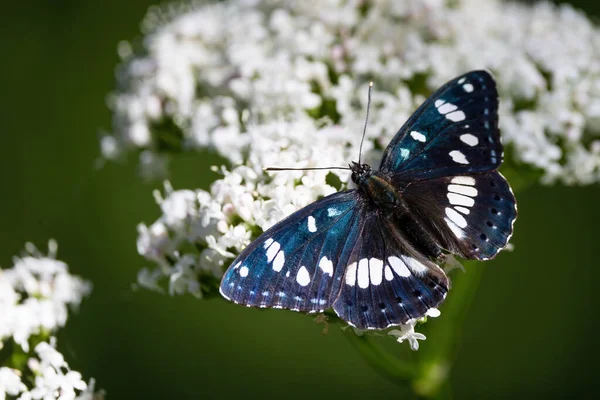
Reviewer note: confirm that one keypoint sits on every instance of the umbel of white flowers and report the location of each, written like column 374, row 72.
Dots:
column 285, row 86
column 35, row 295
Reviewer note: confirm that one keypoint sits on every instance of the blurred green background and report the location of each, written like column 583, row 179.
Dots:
column 531, row 332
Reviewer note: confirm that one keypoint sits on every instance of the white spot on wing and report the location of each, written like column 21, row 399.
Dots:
column 272, row 251
column 433, row 313
column 363, row 273
column 414, row 265
column 312, row 224
column 326, row 265
column 456, row 116
column 439, row 102
column 460, row 200
column 469, row 139
column 268, row 242
column 244, row 271
column 468, row 87
column 418, row 136
column 455, row 229
column 464, row 190
column 351, row 274
column 463, row 180
column 398, row 266
column 458, row 157
column 332, row 212
column 236, row 266
column 389, row 275
column 463, row 210
column 461, row 80
column 376, row 271
column 455, row 217
column 446, row 108
column 303, row 278
column 279, row 261
column 404, row 153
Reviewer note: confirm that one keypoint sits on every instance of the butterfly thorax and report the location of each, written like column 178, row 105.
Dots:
column 387, row 200
column 375, row 186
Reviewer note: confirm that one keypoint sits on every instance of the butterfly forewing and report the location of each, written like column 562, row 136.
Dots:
column 294, row 264
column 455, row 131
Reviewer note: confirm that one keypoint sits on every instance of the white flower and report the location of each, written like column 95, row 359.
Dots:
column 35, row 294
column 53, row 378
column 10, row 382
column 149, row 279
column 184, row 278
column 407, row 332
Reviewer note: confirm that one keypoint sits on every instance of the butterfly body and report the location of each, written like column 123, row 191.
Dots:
column 384, row 198
column 376, row 187
column 370, row 253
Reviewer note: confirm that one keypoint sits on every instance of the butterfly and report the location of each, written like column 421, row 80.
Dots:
column 372, row 253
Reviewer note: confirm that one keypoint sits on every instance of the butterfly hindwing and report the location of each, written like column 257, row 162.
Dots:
column 293, row 265
column 454, row 131
column 386, row 281
column 471, row 215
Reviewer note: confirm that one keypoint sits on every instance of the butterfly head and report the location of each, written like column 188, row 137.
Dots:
column 360, row 172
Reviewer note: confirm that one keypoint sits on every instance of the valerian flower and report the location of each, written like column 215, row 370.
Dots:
column 35, row 295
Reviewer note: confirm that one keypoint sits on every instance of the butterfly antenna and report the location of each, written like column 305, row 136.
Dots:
column 366, row 122
column 301, row 169
column 359, row 151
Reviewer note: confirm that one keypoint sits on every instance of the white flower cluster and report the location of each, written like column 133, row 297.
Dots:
column 53, row 379
column 35, row 295
column 210, row 70
column 280, row 83
column 219, row 223
column 34, row 298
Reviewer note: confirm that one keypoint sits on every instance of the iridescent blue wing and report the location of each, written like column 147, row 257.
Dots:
column 471, row 215
column 297, row 264
column 455, row 131
column 337, row 252
column 387, row 281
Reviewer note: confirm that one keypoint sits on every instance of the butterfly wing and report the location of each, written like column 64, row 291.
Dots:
column 470, row 215
column 337, row 252
column 444, row 160
column 298, row 263
column 387, row 281
column 455, row 131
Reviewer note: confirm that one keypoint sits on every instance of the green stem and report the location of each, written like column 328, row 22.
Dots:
column 392, row 368
column 436, row 355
